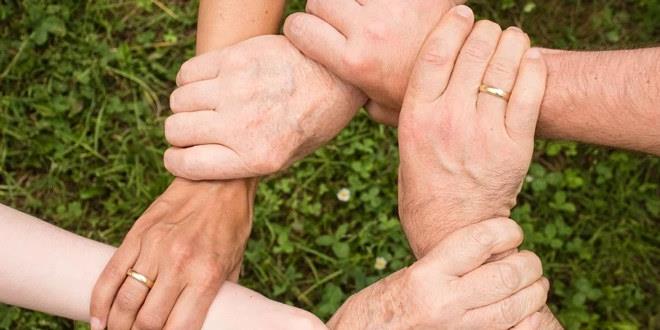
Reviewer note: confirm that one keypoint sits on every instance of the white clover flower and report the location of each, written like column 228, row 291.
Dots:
column 344, row 195
column 380, row 263
column 529, row 178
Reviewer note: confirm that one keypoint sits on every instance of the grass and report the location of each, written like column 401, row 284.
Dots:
column 83, row 93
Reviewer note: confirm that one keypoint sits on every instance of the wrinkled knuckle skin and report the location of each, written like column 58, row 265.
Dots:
column 509, row 277
column 436, row 56
column 508, row 313
column 127, row 301
column 148, row 321
column 477, row 50
column 180, row 255
column 113, row 270
column 501, row 68
column 482, row 236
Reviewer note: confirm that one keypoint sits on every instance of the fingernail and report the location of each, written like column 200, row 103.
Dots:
column 464, row 11
column 533, row 54
column 96, row 324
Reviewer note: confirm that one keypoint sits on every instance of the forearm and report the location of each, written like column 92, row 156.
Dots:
column 51, row 270
column 608, row 98
column 222, row 23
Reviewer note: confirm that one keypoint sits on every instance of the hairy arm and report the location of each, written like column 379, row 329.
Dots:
column 609, row 98
column 52, row 270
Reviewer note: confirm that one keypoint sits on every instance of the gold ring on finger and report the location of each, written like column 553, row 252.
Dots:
column 494, row 91
column 140, row 278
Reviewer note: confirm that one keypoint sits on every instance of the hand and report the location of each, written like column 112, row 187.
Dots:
column 371, row 44
column 454, row 288
column 464, row 154
column 188, row 241
column 252, row 109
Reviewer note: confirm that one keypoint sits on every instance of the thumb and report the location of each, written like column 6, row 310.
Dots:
column 383, row 115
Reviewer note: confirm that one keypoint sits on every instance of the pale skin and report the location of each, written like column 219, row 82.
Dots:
column 51, row 270
column 626, row 117
column 275, row 50
column 606, row 98
column 192, row 238
column 463, row 151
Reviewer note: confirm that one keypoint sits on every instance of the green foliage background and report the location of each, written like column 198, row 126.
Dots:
column 83, row 94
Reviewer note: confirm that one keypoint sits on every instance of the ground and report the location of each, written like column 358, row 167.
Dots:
column 83, row 96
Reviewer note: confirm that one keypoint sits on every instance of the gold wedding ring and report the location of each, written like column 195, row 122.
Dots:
column 140, row 278
column 494, row 91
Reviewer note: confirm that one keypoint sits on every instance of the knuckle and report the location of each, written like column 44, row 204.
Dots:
column 210, row 278
column 127, row 300
column 509, row 277
column 416, row 275
column 436, row 55
column 377, row 31
column 180, row 254
column 149, row 321
column 482, row 236
column 501, row 68
column 508, row 312
column 478, row 49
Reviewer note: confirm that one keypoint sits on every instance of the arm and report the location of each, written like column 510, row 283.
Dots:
column 199, row 227
column 51, row 270
column 606, row 98
column 609, row 98
column 446, row 180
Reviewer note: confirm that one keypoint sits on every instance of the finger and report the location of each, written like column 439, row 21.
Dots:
column 512, row 310
column 495, row 281
column 532, row 322
column 382, row 115
column 159, row 303
column 341, row 14
column 202, row 67
column 131, row 294
column 473, row 60
column 196, row 96
column 469, row 247
column 318, row 40
column 206, row 162
column 501, row 73
column 436, row 59
column 199, row 127
column 526, row 97
column 110, row 281
column 191, row 307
